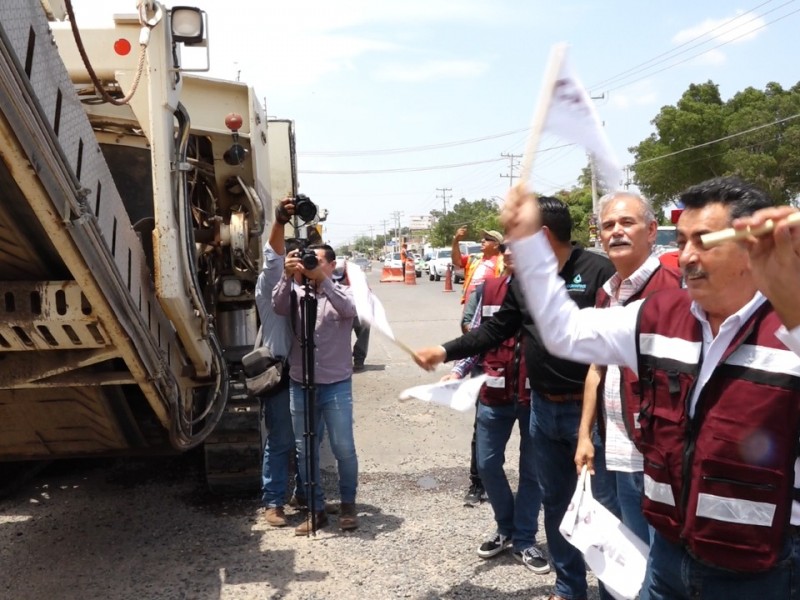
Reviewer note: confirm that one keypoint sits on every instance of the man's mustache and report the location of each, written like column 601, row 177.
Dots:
column 692, row 271
column 618, row 242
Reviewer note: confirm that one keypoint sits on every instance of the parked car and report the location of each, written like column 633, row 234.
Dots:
column 393, row 261
column 364, row 263
column 437, row 265
column 423, row 262
column 417, row 265
column 467, row 249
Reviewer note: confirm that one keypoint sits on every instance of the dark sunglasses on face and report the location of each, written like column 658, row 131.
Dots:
column 489, row 240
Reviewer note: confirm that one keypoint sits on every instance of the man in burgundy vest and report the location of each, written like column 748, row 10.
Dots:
column 719, row 385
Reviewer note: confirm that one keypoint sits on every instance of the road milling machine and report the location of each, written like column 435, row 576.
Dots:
column 135, row 197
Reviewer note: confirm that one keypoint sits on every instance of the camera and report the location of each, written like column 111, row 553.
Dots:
column 304, row 208
column 309, row 259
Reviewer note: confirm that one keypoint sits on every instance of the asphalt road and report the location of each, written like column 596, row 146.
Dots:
column 133, row 528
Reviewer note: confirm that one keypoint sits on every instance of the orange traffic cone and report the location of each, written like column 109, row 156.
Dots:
column 411, row 276
column 448, row 279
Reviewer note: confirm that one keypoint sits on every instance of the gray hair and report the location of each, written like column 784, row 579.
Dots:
column 647, row 212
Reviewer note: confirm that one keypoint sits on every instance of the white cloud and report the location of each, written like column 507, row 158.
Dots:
column 639, row 94
column 741, row 27
column 431, row 70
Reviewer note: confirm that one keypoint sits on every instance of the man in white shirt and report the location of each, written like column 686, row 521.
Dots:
column 627, row 232
column 719, row 374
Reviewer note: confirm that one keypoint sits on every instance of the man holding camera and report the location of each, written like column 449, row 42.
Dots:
column 307, row 277
column 277, row 336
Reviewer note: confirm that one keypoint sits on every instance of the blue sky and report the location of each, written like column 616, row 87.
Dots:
column 456, row 82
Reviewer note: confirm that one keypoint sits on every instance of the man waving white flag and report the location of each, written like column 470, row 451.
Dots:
column 566, row 110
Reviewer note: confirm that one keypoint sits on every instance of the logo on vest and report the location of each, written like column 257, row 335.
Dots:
column 576, row 285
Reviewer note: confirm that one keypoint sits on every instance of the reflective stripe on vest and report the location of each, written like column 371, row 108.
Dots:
column 658, row 492
column 734, row 510
column 500, row 382
column 771, row 360
column 488, row 310
column 495, row 382
column 661, row 346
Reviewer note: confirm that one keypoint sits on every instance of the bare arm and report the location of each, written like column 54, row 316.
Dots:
column 584, row 453
column 455, row 250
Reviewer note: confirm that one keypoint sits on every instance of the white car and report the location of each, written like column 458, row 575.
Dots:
column 393, row 261
column 437, row 265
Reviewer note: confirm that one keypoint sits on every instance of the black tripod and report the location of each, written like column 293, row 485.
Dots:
column 308, row 320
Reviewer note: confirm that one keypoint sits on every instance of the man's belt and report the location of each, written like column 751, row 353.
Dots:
column 570, row 397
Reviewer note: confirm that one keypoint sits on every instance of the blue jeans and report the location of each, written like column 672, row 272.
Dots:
column 278, row 448
column 630, row 487
column 554, row 428
column 334, row 412
column 674, row 575
column 515, row 518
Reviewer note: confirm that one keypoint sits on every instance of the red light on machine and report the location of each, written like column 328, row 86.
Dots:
column 233, row 122
column 122, row 47
column 675, row 215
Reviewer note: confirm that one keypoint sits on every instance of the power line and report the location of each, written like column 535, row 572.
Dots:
column 414, row 169
column 668, row 54
column 722, row 139
column 333, row 153
column 680, row 62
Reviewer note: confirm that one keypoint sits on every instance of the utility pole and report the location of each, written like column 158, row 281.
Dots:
column 445, row 198
column 384, row 223
column 372, row 241
column 513, row 163
column 397, row 214
column 595, row 216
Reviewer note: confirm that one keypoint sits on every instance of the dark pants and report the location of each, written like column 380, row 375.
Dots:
column 361, row 346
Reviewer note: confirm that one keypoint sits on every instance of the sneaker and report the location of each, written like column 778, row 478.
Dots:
column 494, row 545
column 533, row 559
column 359, row 367
column 475, row 495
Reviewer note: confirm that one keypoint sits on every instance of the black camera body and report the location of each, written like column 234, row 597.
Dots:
column 309, row 260
column 304, row 208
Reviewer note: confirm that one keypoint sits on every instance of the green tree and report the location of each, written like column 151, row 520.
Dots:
column 476, row 215
column 674, row 157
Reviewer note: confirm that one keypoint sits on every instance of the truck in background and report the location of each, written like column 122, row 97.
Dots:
column 137, row 197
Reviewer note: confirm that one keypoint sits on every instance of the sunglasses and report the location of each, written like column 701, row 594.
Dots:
column 488, row 239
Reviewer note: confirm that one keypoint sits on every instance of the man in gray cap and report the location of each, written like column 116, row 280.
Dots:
column 477, row 269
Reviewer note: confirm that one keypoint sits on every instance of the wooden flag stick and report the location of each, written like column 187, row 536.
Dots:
column 557, row 54
column 709, row 240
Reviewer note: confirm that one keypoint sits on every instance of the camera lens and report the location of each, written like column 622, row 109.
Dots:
column 309, row 260
column 304, row 208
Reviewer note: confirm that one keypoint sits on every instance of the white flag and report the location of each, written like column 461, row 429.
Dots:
column 570, row 114
column 369, row 308
column 458, row 394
